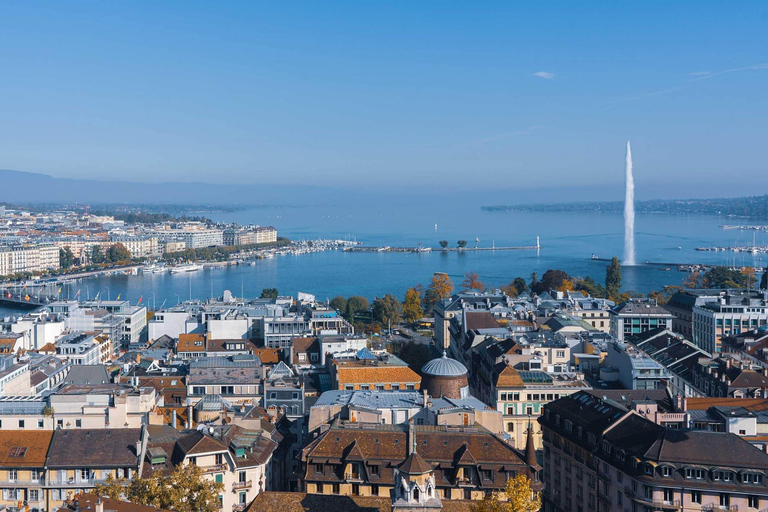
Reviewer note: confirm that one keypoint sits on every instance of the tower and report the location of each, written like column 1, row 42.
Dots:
column 415, row 483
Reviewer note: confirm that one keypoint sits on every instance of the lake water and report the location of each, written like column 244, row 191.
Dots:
column 567, row 243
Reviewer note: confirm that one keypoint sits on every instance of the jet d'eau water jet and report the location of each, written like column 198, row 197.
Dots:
column 629, row 211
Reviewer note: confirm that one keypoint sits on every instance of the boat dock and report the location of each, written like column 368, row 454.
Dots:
column 438, row 249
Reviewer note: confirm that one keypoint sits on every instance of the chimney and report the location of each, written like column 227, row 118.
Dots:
column 189, row 416
column 173, row 419
column 685, row 404
column 99, row 505
column 411, row 437
column 426, row 396
column 138, row 448
column 728, row 362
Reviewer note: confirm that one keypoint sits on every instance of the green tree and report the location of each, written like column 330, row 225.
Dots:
column 355, row 305
column 723, row 277
column 96, row 256
column 589, row 287
column 415, row 354
column 613, row 278
column 519, row 284
column 519, row 494
column 386, row 310
column 339, row 303
column 444, row 243
column 429, row 300
column 185, row 490
column 534, row 281
column 551, row 280
column 412, row 309
column 472, row 282
column 118, row 252
column 269, row 293
column 66, row 258
column 462, row 243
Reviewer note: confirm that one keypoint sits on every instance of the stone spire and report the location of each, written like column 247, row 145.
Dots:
column 530, row 449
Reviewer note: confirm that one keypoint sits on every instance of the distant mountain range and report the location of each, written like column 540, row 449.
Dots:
column 755, row 207
column 25, row 187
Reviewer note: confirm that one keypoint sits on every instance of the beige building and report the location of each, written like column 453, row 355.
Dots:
column 28, row 258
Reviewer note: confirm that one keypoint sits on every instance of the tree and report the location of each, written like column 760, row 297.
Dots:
column 551, row 280
column 412, row 309
column 118, row 252
column 723, row 277
column 269, row 293
column 386, row 310
column 415, row 354
column 534, row 281
column 613, row 278
column 764, row 280
column 442, row 285
column 589, row 287
column 185, row 490
column 472, row 282
column 519, row 284
column 694, row 280
column 96, row 256
column 462, row 243
column 510, row 290
column 355, row 305
column 339, row 303
column 520, row 497
column 429, row 300
column 443, row 243
column 66, row 258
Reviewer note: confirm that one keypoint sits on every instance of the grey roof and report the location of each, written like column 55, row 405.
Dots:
column 375, row 400
column 89, row 448
column 445, row 367
column 235, row 361
column 88, row 374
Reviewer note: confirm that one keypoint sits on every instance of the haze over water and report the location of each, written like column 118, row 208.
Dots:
column 568, row 242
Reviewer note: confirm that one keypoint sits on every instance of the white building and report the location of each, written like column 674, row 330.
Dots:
column 730, row 314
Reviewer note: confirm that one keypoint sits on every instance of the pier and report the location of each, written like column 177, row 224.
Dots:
column 387, row 248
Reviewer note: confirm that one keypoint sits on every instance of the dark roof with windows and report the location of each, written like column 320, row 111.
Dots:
column 94, row 448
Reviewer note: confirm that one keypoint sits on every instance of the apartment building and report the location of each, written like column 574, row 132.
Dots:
column 636, row 316
column 729, row 314
column 352, row 459
column 28, row 258
column 265, row 235
column 598, row 456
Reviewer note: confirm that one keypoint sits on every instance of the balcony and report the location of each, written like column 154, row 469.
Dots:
column 214, row 468
column 239, row 508
column 76, row 482
column 466, row 482
column 239, row 486
column 714, row 507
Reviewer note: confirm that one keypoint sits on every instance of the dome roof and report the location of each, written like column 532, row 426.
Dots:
column 444, row 367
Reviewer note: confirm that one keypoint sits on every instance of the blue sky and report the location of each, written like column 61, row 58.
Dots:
column 365, row 94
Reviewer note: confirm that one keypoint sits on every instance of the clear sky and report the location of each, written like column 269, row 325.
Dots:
column 365, row 94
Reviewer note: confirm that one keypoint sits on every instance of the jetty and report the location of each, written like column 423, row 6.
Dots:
column 387, row 248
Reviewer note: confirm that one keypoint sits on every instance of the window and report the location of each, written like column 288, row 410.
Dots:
column 219, row 478
column 21, row 423
column 198, row 390
column 725, row 500
column 374, row 490
column 510, row 426
column 374, row 470
column 35, row 475
column 85, row 474
column 227, row 390
column 488, row 474
column 695, row 474
column 395, row 387
column 335, row 489
column 696, row 497
column 13, row 475
column 78, row 423
column 219, row 459
column 669, row 496
column 40, row 424
column 34, row 495
column 751, row 478
column 753, row 502
column 666, row 471
column 242, row 498
column 59, row 423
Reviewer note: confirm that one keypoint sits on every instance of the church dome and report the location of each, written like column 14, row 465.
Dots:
column 445, row 377
column 444, row 367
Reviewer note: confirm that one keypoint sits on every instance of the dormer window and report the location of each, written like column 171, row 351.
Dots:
column 606, row 447
column 667, row 471
column 240, row 452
